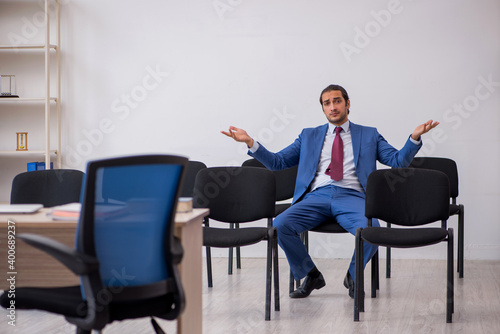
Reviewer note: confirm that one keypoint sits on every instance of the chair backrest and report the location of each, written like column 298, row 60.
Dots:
column 48, row 187
column 130, row 229
column 235, row 194
column 285, row 179
column 407, row 196
column 445, row 165
column 192, row 169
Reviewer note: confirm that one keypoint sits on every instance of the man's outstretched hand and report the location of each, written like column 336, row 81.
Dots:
column 423, row 128
column 239, row 135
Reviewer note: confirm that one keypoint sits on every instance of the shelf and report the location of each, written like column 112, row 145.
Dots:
column 11, row 153
column 25, row 99
column 50, row 100
column 27, row 47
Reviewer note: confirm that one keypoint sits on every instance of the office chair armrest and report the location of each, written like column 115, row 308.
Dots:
column 78, row 263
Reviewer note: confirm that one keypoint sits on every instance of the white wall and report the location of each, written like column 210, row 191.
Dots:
column 261, row 65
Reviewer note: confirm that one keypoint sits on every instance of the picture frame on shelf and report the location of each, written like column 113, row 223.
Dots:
column 8, row 86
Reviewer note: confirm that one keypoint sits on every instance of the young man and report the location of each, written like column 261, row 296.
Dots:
column 334, row 161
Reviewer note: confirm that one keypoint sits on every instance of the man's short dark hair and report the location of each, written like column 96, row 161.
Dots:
column 331, row 88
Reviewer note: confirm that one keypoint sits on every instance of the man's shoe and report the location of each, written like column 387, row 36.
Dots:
column 308, row 286
column 349, row 284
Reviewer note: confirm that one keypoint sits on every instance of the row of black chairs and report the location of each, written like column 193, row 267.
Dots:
column 285, row 181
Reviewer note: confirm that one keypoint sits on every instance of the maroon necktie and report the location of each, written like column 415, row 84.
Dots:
column 336, row 168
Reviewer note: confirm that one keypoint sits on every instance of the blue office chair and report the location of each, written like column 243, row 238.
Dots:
column 126, row 254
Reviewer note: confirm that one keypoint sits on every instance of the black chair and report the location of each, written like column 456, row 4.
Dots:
column 407, row 197
column 126, row 254
column 285, row 185
column 192, row 170
column 48, row 187
column 240, row 195
column 449, row 167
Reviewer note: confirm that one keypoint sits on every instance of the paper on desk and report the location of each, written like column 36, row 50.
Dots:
column 70, row 211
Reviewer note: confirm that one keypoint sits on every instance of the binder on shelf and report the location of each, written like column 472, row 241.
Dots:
column 32, row 166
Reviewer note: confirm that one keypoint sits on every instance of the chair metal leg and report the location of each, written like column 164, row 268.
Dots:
column 157, row 328
column 388, row 263
column 209, row 257
column 375, row 283
column 276, row 274
column 209, row 267
column 388, row 259
column 269, row 271
column 294, row 284
column 230, row 261
column 358, row 288
column 238, row 251
column 238, row 257
column 450, row 304
column 460, row 262
column 361, row 269
column 230, row 256
column 291, row 283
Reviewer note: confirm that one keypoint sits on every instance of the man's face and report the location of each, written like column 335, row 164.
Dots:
column 335, row 107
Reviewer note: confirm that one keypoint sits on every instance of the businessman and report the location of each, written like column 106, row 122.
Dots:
column 334, row 161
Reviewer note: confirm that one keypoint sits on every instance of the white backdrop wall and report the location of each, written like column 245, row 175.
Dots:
column 167, row 76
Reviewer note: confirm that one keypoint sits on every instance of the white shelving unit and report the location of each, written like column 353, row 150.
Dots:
column 49, row 99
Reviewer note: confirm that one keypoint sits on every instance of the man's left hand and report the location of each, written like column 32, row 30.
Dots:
column 423, row 128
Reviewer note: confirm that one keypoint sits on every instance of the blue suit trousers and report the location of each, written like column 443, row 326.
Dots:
column 346, row 205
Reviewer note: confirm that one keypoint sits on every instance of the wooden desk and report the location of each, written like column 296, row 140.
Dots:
column 35, row 268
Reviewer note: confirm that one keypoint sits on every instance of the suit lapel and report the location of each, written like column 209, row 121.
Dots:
column 319, row 138
column 356, row 141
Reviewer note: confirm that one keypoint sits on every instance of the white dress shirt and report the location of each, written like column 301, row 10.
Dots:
column 350, row 179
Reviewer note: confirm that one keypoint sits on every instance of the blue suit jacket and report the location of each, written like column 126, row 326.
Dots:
column 368, row 147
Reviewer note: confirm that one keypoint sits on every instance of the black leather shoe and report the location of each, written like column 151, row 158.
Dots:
column 349, row 284
column 308, row 286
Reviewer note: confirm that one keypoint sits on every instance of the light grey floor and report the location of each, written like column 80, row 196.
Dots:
column 412, row 301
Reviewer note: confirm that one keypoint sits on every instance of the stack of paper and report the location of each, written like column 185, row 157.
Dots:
column 70, row 211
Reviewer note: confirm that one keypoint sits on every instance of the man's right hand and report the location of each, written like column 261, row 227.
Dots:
column 239, row 135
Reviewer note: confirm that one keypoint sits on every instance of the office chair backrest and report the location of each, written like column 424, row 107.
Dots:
column 285, row 179
column 445, row 165
column 192, row 169
column 407, row 196
column 130, row 229
column 235, row 194
column 49, row 187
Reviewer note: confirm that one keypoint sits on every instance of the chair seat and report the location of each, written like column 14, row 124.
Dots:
column 330, row 226
column 454, row 209
column 68, row 302
column 225, row 237
column 404, row 237
column 64, row 300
